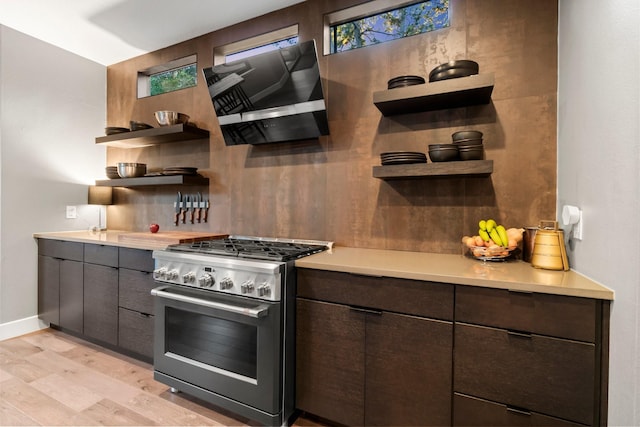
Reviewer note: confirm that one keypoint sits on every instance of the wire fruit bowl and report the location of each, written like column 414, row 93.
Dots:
column 492, row 253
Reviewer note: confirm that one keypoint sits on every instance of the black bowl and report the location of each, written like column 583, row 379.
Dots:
column 443, row 152
column 466, row 134
column 471, row 153
column 442, row 146
column 402, row 81
column 451, row 74
column 463, row 142
column 466, row 64
column 443, row 155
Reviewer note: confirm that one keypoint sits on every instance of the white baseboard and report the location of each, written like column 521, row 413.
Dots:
column 21, row 327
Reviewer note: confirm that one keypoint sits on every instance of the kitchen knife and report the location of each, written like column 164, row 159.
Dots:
column 205, row 211
column 185, row 204
column 192, row 209
column 199, row 207
column 178, row 208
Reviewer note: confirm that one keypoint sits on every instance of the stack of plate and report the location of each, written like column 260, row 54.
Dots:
column 402, row 158
column 112, row 130
column 453, row 70
column 402, row 81
column 112, row 172
column 180, row 170
column 139, row 125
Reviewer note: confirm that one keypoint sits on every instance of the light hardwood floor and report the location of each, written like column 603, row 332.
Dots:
column 51, row 378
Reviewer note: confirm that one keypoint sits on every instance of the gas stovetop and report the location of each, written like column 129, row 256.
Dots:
column 273, row 249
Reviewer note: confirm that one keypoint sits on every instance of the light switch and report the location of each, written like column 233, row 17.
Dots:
column 72, row 212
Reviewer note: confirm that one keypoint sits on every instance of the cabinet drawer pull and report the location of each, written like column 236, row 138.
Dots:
column 519, row 334
column 365, row 310
column 519, row 411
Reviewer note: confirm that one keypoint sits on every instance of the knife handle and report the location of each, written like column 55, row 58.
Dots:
column 184, row 216
column 175, row 220
column 192, row 213
column 205, row 214
column 199, row 214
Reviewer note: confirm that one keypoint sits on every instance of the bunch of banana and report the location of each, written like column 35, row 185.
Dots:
column 495, row 236
column 490, row 230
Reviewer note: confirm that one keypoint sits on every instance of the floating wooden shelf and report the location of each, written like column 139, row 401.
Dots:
column 153, row 136
column 453, row 93
column 154, row 180
column 439, row 169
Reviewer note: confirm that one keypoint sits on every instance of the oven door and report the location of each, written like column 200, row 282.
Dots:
column 225, row 344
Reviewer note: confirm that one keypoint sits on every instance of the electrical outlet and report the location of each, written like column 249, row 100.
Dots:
column 72, row 212
column 577, row 228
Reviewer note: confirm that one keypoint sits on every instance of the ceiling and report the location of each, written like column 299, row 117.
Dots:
column 111, row 31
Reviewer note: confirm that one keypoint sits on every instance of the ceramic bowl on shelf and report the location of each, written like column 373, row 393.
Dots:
column 473, row 152
column 462, row 135
column 443, row 152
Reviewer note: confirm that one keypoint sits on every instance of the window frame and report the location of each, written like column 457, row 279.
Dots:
column 144, row 76
column 359, row 12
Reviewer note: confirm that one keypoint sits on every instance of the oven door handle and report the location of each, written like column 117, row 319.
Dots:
column 257, row 312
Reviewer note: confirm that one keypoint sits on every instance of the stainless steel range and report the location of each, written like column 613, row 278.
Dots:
column 224, row 322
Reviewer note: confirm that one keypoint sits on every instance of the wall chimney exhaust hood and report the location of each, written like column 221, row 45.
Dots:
column 271, row 97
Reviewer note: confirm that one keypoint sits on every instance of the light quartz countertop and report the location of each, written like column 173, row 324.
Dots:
column 455, row 269
column 432, row 267
column 108, row 237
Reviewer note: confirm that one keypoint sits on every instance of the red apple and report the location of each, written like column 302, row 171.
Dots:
column 154, row 228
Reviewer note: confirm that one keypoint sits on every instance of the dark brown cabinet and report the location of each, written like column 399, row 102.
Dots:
column 527, row 358
column 101, row 303
column 135, row 303
column 408, row 371
column 49, row 289
column 100, row 292
column 72, row 295
column 385, row 351
column 59, row 277
column 330, row 361
column 368, row 355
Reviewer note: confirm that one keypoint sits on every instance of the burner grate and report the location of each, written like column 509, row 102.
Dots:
column 251, row 248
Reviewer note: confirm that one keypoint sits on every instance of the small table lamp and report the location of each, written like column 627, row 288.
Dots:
column 102, row 196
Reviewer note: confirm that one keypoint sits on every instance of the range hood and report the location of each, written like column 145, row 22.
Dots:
column 271, row 97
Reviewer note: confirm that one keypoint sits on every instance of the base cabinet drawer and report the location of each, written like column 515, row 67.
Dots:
column 472, row 411
column 135, row 259
column 546, row 375
column 135, row 332
column 101, row 254
column 135, row 290
column 552, row 315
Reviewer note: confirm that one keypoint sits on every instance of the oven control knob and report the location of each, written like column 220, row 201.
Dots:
column 160, row 273
column 247, row 287
column 189, row 277
column 264, row 290
column 173, row 275
column 226, row 283
column 206, row 280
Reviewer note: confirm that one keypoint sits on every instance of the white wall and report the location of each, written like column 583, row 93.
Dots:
column 599, row 170
column 52, row 106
